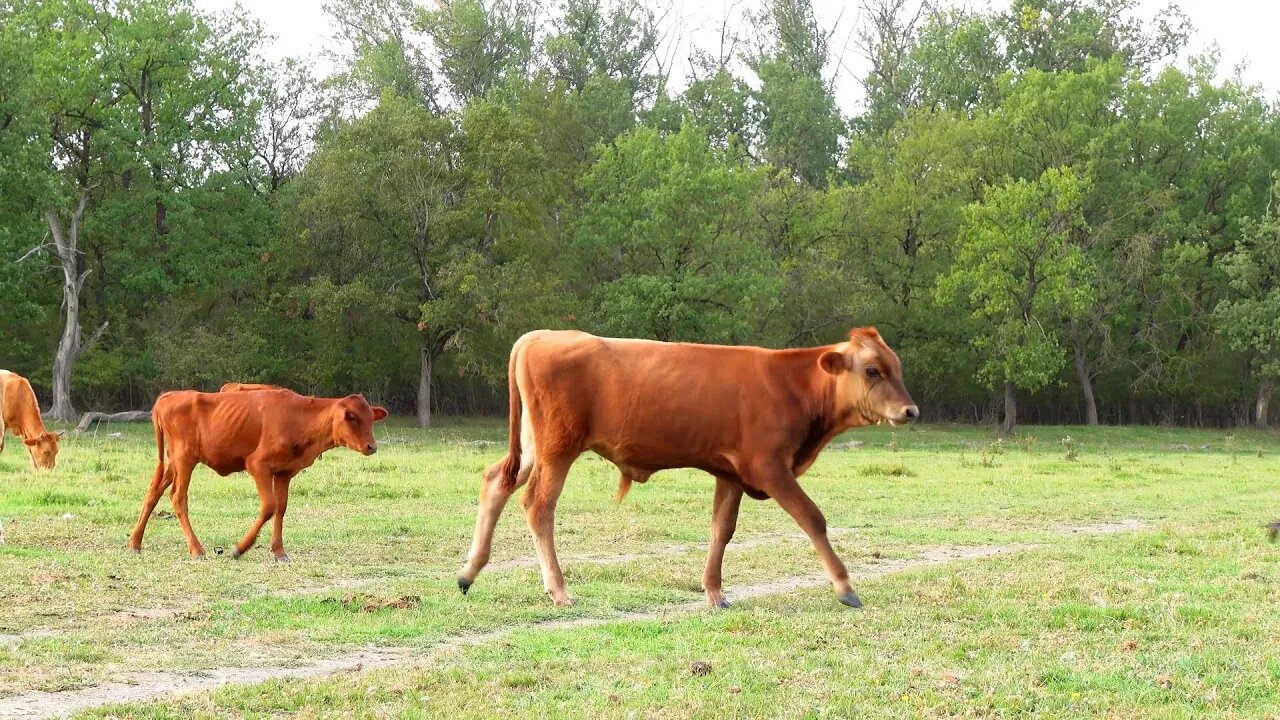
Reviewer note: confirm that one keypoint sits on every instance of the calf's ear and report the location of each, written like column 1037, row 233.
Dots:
column 834, row 362
column 379, row 413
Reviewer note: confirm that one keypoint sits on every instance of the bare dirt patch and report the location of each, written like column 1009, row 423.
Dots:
column 665, row 551
column 144, row 686
column 1105, row 528
column 160, row 613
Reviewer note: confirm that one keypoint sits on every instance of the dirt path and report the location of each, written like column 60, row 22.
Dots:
column 138, row 686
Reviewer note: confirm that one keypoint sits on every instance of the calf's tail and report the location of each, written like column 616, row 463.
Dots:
column 160, row 465
column 511, row 463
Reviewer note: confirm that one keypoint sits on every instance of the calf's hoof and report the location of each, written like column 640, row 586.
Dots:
column 283, row 558
column 134, row 550
column 464, row 584
column 722, row 604
column 562, row 600
column 236, row 554
column 851, row 599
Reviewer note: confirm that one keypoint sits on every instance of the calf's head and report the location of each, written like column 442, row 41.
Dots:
column 353, row 424
column 868, row 380
column 44, row 450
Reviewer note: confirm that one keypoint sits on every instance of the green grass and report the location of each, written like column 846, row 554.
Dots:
column 1176, row 620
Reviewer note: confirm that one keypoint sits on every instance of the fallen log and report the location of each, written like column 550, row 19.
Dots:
column 90, row 418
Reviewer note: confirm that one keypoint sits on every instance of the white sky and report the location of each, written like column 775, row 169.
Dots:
column 1244, row 30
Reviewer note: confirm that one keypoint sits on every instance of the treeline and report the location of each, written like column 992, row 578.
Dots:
column 1049, row 216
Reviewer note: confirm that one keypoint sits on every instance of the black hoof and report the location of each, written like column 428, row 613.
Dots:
column 851, row 599
column 464, row 584
column 723, row 604
column 283, row 559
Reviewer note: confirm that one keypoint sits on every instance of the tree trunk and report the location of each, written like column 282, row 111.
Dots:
column 1086, row 384
column 90, row 418
column 68, row 349
column 1260, row 409
column 424, row 388
column 1010, row 410
column 66, row 246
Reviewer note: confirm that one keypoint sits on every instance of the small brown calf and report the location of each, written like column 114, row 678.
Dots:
column 274, row 434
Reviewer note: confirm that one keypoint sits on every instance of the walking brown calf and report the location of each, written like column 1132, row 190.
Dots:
column 754, row 418
column 274, row 434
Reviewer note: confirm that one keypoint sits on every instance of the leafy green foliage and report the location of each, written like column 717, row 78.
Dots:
column 1019, row 273
column 1250, row 314
column 664, row 267
column 1033, row 195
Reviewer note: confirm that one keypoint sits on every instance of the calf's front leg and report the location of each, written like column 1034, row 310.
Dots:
column 262, row 478
column 781, row 484
column 281, row 488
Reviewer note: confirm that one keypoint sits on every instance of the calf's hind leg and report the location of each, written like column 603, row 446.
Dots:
column 182, row 468
column 724, row 520
column 493, row 499
column 540, row 510
column 160, row 481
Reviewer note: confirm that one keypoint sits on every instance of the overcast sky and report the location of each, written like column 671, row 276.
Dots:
column 1245, row 31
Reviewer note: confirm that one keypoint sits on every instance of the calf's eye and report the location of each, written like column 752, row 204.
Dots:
column 873, row 372
column 351, row 417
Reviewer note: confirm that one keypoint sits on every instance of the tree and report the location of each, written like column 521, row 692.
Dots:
column 1064, row 35
column 378, row 54
column 290, row 105
column 667, row 243
column 1020, row 274
column 1059, row 119
column 1249, row 318
column 133, row 95
column 480, row 45
column 929, row 59
column 409, row 220
column 801, row 125
column 897, row 227
column 601, row 51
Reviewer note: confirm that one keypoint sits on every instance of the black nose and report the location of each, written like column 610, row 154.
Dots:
column 371, row 448
column 912, row 412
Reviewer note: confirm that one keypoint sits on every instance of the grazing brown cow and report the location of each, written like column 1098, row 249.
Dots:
column 249, row 387
column 274, row 434
column 754, row 418
column 20, row 413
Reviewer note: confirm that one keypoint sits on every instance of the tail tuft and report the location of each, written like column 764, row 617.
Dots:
column 624, row 487
column 508, row 471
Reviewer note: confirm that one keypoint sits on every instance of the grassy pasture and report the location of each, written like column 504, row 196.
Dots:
column 1175, row 619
